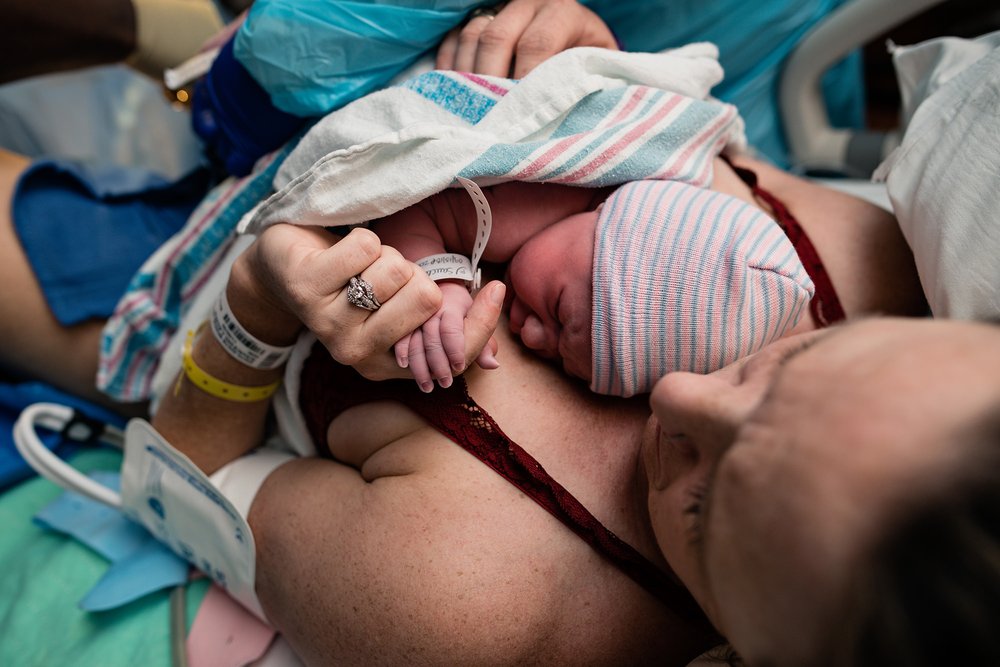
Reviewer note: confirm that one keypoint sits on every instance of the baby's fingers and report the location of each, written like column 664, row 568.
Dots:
column 402, row 351
column 418, row 362
column 452, row 332
column 434, row 352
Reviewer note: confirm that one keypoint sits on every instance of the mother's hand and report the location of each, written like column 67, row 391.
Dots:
column 521, row 35
column 298, row 275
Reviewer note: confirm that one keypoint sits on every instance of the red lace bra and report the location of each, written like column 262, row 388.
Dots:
column 825, row 307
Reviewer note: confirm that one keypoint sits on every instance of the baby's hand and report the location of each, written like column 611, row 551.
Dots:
column 437, row 349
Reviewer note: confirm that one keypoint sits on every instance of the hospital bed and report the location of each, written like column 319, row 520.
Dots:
column 45, row 573
column 818, row 148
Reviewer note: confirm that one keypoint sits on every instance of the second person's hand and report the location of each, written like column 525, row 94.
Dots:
column 512, row 39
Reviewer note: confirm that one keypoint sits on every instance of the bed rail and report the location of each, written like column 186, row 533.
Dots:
column 813, row 143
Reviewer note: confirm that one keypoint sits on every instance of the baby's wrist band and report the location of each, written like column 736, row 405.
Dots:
column 452, row 266
column 219, row 388
column 242, row 345
column 447, row 266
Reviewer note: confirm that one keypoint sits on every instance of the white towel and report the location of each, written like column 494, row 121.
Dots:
column 587, row 116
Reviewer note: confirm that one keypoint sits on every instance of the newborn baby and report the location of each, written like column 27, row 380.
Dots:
column 622, row 286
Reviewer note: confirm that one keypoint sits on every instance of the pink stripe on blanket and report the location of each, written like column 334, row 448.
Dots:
column 629, row 139
column 484, row 83
column 195, row 232
column 633, row 102
column 140, row 361
column 548, row 156
column 698, row 142
column 205, row 275
column 134, row 301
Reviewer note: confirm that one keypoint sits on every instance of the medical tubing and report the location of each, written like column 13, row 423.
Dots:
column 46, row 463
column 178, row 626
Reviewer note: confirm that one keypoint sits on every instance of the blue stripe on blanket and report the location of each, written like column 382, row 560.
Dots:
column 589, row 115
column 502, row 159
column 648, row 159
column 452, row 95
column 590, row 112
column 499, row 159
column 196, row 259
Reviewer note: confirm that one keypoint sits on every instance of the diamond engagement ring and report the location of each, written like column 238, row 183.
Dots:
column 361, row 294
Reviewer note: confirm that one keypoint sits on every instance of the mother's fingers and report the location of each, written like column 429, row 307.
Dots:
column 480, row 323
column 353, row 334
column 408, row 308
column 329, row 270
column 482, row 318
column 486, row 43
column 383, row 278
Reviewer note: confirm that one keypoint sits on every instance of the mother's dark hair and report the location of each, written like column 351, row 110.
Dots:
column 930, row 594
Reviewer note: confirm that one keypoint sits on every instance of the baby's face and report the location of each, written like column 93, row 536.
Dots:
column 551, row 288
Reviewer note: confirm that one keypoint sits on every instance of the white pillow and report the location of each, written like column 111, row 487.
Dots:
column 944, row 179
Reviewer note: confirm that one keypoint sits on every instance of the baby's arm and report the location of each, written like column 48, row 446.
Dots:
column 414, row 231
column 436, row 349
column 519, row 209
column 446, row 222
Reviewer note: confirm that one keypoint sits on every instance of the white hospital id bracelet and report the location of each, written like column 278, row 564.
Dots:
column 451, row 265
column 447, row 265
column 242, row 345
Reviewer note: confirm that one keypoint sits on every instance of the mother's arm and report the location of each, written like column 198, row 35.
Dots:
column 293, row 277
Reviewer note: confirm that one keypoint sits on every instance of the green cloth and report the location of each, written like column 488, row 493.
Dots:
column 45, row 574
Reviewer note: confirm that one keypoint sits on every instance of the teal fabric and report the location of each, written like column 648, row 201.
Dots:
column 754, row 39
column 46, row 574
column 314, row 56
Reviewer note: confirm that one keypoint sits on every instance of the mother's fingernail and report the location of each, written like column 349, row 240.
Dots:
column 497, row 294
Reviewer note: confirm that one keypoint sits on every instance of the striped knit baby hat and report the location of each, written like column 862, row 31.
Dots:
column 686, row 279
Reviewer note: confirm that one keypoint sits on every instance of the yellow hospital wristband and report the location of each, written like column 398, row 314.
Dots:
column 218, row 388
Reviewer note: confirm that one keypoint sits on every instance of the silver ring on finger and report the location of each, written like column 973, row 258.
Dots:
column 487, row 12
column 360, row 293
